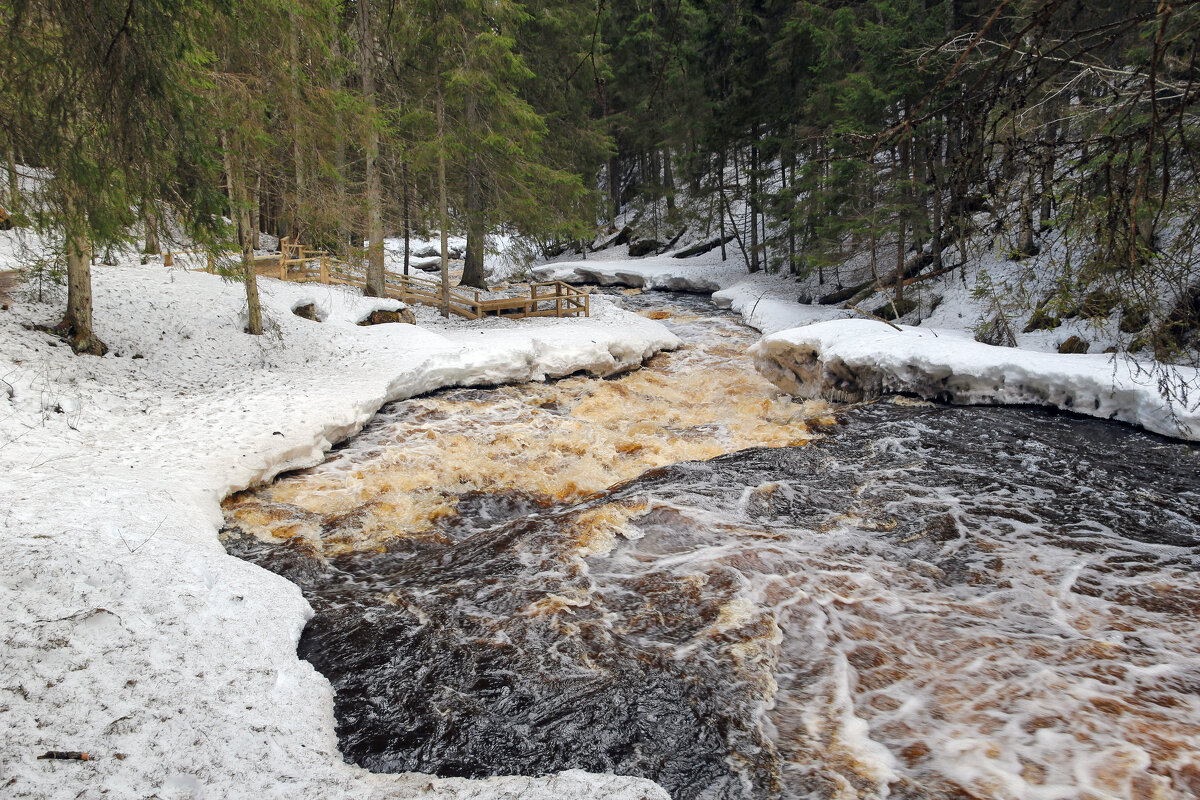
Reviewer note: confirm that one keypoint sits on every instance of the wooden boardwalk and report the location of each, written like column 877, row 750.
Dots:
column 296, row 263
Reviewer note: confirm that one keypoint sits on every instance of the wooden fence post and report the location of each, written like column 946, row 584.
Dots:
column 324, row 269
column 212, row 265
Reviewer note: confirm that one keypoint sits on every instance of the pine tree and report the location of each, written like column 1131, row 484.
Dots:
column 105, row 99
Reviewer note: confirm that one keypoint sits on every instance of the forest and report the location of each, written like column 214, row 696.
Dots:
column 795, row 133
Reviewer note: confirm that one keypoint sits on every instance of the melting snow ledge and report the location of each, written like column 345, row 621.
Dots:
column 852, row 360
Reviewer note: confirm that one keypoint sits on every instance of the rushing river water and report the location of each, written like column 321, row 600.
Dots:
column 682, row 574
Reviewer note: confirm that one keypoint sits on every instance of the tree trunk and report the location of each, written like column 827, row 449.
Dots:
column 1025, row 244
column 256, row 207
column 753, row 205
column 612, row 179
column 14, row 180
column 737, row 233
column 279, row 212
column 253, row 306
column 297, row 126
column 902, row 171
column 721, row 209
column 668, row 180
column 339, row 147
column 793, row 263
column 375, row 287
column 614, row 193
column 476, row 230
column 407, row 220
column 443, row 203
column 937, row 215
column 76, row 324
column 1046, row 209
column 254, row 324
column 241, row 213
column 153, row 246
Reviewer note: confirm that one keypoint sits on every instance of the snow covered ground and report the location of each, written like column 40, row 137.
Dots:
column 814, row 350
column 127, row 632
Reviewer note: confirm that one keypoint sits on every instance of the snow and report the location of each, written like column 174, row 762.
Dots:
column 127, row 631
column 827, row 351
column 852, row 360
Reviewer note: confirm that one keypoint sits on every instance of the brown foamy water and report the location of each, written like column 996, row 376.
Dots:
column 554, row 442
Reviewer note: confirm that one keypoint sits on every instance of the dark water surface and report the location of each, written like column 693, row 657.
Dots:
column 926, row 602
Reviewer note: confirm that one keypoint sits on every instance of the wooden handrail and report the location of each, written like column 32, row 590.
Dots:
column 567, row 300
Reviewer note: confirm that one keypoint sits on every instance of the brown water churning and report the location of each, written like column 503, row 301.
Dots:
column 928, row 602
column 552, row 443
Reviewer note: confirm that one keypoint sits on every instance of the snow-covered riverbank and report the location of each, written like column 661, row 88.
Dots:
column 127, row 631
column 825, row 351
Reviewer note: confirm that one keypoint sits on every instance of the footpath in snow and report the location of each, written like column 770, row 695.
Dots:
column 128, row 632
column 816, row 351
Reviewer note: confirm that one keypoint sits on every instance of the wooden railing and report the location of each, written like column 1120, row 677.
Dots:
column 546, row 299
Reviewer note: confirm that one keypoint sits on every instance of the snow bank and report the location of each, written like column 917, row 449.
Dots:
column 851, row 360
column 665, row 273
column 763, row 303
column 127, row 631
column 762, row 300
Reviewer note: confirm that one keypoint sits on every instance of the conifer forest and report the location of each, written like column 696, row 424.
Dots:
column 798, row 132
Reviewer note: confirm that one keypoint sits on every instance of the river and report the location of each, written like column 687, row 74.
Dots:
column 682, row 573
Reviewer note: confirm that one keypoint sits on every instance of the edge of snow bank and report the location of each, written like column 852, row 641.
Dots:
column 854, row 360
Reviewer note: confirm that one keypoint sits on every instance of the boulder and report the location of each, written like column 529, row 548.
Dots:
column 1099, row 304
column 1042, row 320
column 996, row 331
column 902, row 307
column 307, row 311
column 1074, row 346
column 383, row 317
column 1133, row 318
column 643, row 247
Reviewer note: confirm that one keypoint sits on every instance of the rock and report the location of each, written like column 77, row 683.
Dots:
column 996, row 331
column 383, row 317
column 1042, row 320
column 434, row 250
column 307, row 311
column 1133, row 318
column 903, row 307
column 1099, row 304
column 426, row 264
column 643, row 247
column 1073, row 345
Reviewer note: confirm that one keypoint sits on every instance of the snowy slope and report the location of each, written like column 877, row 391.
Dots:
column 127, row 631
